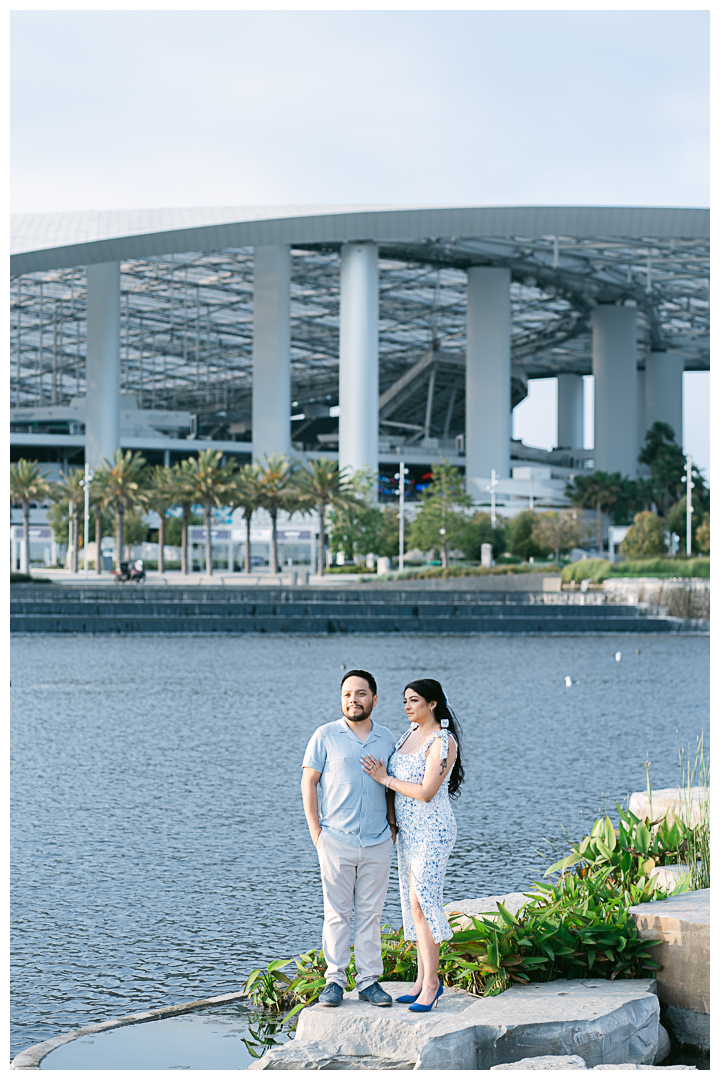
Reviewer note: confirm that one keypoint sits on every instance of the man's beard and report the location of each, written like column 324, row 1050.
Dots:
column 359, row 717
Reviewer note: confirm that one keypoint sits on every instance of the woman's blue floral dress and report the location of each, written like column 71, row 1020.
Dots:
column 426, row 836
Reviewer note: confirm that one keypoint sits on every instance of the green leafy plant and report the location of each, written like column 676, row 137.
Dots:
column 262, row 1031
column 628, row 855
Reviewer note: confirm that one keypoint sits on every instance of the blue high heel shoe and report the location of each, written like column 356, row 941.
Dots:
column 405, row 999
column 425, row 1008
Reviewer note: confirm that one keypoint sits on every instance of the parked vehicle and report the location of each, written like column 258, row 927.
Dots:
column 130, row 572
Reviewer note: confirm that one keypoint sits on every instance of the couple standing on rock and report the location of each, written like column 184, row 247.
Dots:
column 373, row 790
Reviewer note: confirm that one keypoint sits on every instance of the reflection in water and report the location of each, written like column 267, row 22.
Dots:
column 160, row 850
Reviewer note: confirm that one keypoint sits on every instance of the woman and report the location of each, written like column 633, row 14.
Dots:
column 424, row 771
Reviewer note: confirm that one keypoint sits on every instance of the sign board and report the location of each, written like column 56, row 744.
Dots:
column 197, row 535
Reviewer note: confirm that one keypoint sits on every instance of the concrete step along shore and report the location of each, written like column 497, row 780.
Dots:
column 213, row 609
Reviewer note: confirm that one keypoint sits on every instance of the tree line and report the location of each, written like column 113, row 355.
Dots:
column 655, row 504
column 123, row 489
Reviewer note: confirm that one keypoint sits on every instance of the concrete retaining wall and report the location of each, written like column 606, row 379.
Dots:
column 683, row 925
column 685, row 598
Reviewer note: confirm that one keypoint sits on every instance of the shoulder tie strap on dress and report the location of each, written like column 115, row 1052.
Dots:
column 406, row 735
column 444, row 725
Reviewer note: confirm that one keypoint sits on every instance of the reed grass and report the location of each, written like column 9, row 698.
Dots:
column 695, row 773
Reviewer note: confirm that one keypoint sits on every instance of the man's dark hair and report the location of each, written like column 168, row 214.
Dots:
column 360, row 674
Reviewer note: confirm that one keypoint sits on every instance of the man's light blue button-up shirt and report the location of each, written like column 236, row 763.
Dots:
column 353, row 806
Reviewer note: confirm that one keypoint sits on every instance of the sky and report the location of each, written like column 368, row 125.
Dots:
column 123, row 109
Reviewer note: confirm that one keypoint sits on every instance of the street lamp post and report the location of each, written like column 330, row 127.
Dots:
column 491, row 488
column 86, row 485
column 687, row 479
column 400, row 477
column 71, row 528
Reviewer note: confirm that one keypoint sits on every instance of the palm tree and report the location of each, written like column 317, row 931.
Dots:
column 182, row 481
column 246, row 492
column 99, row 497
column 213, row 487
column 161, row 496
column 71, row 489
column 599, row 491
column 28, row 485
column 125, row 484
column 277, row 492
column 321, row 484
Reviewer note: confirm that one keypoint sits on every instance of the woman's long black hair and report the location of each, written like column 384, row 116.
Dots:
column 431, row 690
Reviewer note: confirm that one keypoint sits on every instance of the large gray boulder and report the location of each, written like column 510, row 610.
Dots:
column 603, row 1022
column 600, row 1021
column 574, row 1062
column 563, row 1061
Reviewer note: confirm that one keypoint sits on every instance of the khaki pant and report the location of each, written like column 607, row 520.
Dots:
column 362, row 873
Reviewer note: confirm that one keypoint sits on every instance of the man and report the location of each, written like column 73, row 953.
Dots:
column 354, row 835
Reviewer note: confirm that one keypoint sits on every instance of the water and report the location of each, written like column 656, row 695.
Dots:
column 160, row 850
column 214, row 1038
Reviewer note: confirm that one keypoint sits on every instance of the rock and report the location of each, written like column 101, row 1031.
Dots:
column 685, row 807
column 568, row 1061
column 319, row 1056
column 486, row 905
column 689, row 1026
column 600, row 1020
column 663, row 1045
column 644, row 1067
column 669, row 877
column 682, row 923
column 358, row 1029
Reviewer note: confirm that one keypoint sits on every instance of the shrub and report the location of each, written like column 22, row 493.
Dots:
column 595, row 569
column 702, row 536
column 558, row 532
column 520, row 536
column 646, row 536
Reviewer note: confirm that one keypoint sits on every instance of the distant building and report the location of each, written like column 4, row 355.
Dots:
column 363, row 334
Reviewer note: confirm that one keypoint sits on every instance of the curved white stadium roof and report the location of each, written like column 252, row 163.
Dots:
column 50, row 241
column 186, row 282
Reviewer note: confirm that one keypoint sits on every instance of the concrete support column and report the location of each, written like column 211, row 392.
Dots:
column 359, row 356
column 488, row 416
column 664, row 391
column 271, row 351
column 615, row 371
column 641, row 425
column 570, row 410
column 102, row 367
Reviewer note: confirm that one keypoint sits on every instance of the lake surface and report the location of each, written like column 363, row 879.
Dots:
column 160, row 850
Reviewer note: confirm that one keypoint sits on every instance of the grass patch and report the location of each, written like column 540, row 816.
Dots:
column 22, row 579
column 663, row 568
column 429, row 572
column 599, row 570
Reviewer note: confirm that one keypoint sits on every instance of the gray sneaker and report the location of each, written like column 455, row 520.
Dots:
column 332, row 995
column 375, row 994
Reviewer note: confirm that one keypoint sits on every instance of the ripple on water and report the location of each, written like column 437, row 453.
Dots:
column 159, row 846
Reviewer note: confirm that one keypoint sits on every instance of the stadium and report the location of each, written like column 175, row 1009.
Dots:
column 368, row 335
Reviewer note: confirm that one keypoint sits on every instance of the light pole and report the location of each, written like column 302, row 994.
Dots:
column 71, row 524
column 491, row 488
column 687, row 479
column 86, row 485
column 400, row 477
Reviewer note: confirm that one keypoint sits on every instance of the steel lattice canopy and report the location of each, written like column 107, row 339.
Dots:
column 187, row 286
